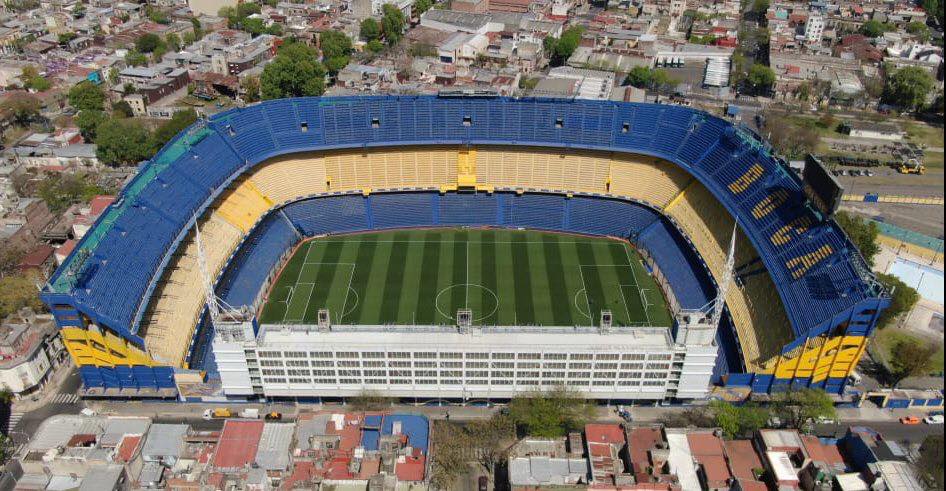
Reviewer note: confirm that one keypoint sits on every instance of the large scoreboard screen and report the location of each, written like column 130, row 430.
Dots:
column 821, row 188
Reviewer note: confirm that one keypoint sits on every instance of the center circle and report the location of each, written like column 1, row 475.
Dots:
column 472, row 287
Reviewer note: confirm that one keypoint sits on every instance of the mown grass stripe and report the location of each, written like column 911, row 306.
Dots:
column 361, row 281
column 322, row 275
column 426, row 312
column 394, row 280
column 592, row 279
column 525, row 313
column 488, row 278
column 458, row 265
column 555, row 274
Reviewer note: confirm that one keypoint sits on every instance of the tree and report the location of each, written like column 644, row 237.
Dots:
column 799, row 408
column 369, row 30
column 148, row 42
column 178, row 122
column 910, row 357
column 122, row 142
column 251, row 89
column 760, row 77
column 295, row 72
column 931, row 461
column 87, row 96
column 198, row 29
column 489, row 439
column 375, row 46
column 158, row 16
column 62, row 190
column 136, row 58
column 862, row 233
column 421, row 6
column 560, row 49
column 920, row 30
column 908, row 87
column 874, row 28
column 65, row 37
column 336, row 49
column 934, row 8
column 902, row 298
column 550, row 414
column 122, row 109
column 392, row 23
column 18, row 291
column 23, row 110
column 760, row 6
column 791, row 140
column 739, row 421
column 33, row 80
column 450, row 456
column 640, row 77
column 173, row 41
column 88, row 122
column 255, row 26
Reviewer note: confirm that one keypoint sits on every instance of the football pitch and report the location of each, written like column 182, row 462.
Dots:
column 504, row 277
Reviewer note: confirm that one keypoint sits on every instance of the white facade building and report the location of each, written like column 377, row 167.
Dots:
column 433, row 362
column 28, row 348
column 814, row 28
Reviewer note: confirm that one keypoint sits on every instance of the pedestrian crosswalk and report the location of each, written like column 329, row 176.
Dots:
column 65, row 399
column 10, row 424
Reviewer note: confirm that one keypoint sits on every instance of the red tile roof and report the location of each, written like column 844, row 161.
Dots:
column 238, row 444
column 642, row 440
column 127, row 448
column 604, row 433
column 742, row 458
column 99, row 203
column 410, row 469
column 714, row 467
column 705, row 444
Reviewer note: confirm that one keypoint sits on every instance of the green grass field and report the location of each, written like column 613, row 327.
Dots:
column 504, row 277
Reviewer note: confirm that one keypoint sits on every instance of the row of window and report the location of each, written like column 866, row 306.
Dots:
column 506, row 382
column 468, row 364
column 446, row 374
column 395, row 355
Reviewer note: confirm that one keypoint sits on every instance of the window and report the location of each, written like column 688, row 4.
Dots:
column 579, row 374
column 349, row 373
column 555, row 356
column 632, row 356
column 323, row 373
column 559, row 123
column 451, row 356
column 607, row 356
column 375, row 123
column 297, row 363
column 503, row 364
column 270, row 363
column 373, row 354
column 299, row 372
column 606, row 366
column 479, row 381
column 477, row 364
column 626, row 127
column 526, row 374
column 349, row 363
column 658, row 366
column 425, row 354
column 320, row 354
column 295, row 354
column 425, row 364
column 451, row 373
column 298, row 381
column 555, row 366
column 425, row 373
column 467, row 120
column 503, row 356
column 477, row 356
column 324, row 381
column 529, row 356
column 376, row 373
column 451, row 364
column 270, row 354
column 399, row 373
column 304, row 127
column 374, row 381
column 269, row 371
column 632, row 366
column 349, row 381
column 346, row 354
column 374, row 364
column 399, row 354
column 553, row 374
column 602, row 383
column 529, row 365
column 581, row 356
column 400, row 364
column 501, row 374
column 579, row 366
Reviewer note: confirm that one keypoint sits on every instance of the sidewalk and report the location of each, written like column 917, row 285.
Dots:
column 49, row 391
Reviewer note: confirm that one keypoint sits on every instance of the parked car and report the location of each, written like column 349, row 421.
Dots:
column 936, row 419
column 910, row 420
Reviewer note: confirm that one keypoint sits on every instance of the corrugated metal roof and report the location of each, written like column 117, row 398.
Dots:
column 164, row 440
column 273, row 451
column 58, row 430
column 116, row 428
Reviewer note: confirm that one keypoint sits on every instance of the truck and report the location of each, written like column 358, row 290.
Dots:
column 250, row 413
column 912, row 166
column 217, row 413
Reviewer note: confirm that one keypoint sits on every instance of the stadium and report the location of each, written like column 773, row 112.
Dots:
column 448, row 247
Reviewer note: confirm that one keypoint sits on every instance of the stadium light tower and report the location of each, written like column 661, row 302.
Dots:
column 727, row 279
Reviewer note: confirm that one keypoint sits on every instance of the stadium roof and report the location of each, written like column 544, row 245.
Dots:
column 817, row 271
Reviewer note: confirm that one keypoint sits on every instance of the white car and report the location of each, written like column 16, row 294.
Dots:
column 936, row 419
